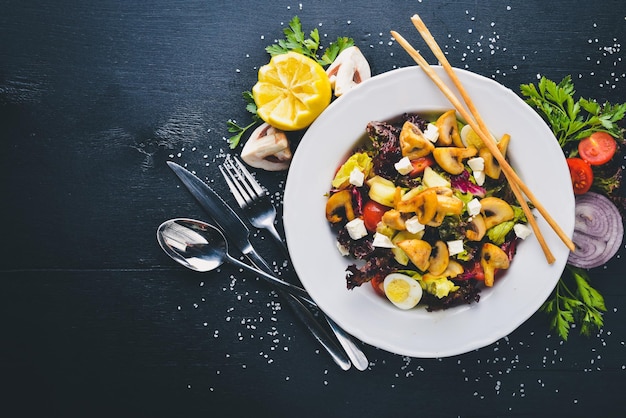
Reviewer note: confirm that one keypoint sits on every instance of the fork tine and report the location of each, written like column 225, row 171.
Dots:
column 252, row 194
column 255, row 185
column 234, row 187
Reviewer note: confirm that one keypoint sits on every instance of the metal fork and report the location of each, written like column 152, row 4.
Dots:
column 251, row 197
column 256, row 203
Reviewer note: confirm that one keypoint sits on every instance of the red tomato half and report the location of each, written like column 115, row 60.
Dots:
column 420, row 164
column 598, row 148
column 372, row 214
column 378, row 285
column 581, row 173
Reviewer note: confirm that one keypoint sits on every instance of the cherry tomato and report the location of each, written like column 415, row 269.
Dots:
column 581, row 173
column 598, row 148
column 372, row 214
column 420, row 164
column 377, row 284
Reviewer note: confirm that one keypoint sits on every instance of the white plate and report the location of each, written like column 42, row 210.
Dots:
column 533, row 152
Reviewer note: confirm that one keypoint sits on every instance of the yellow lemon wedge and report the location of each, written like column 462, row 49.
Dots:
column 292, row 90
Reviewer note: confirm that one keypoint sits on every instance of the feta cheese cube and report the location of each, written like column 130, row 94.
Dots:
column 455, row 247
column 413, row 225
column 522, row 231
column 476, row 163
column 357, row 177
column 342, row 250
column 382, row 241
column 431, row 133
column 473, row 207
column 479, row 176
column 404, row 166
column 356, row 228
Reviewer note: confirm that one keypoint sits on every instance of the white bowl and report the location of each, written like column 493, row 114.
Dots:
column 533, row 152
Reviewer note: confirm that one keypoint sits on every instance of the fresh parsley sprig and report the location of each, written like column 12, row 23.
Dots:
column 583, row 305
column 238, row 130
column 295, row 40
column 569, row 118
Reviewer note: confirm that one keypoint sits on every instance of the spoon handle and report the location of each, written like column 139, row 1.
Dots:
column 299, row 308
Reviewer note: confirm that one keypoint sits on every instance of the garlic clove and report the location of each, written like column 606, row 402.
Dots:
column 267, row 148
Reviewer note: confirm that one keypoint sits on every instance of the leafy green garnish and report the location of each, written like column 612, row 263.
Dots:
column 571, row 119
column 296, row 40
column 584, row 305
column 238, row 130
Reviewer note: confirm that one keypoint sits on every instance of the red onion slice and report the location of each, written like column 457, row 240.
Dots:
column 598, row 231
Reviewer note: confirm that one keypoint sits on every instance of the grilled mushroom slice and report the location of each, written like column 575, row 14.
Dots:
column 413, row 143
column 495, row 211
column 449, row 130
column 492, row 167
column 339, row 207
column 492, row 258
column 451, row 158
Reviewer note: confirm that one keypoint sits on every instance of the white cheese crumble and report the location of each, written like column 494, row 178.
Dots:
column 382, row 241
column 431, row 133
column 342, row 250
column 473, row 207
column 413, row 225
column 476, row 163
column 404, row 166
column 479, row 176
column 356, row 228
column 455, row 247
column 522, row 231
column 357, row 177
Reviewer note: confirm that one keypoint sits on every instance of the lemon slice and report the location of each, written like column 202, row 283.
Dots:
column 292, row 90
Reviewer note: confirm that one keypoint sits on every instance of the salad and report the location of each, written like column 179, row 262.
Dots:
column 423, row 209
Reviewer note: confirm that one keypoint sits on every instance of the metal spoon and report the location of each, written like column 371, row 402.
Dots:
column 202, row 247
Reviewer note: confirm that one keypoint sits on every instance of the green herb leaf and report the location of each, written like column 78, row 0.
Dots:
column 572, row 120
column 583, row 306
column 296, row 40
column 238, row 130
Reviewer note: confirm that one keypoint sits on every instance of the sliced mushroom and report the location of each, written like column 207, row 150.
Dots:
column 446, row 205
column 492, row 167
column 439, row 258
column 476, row 229
column 267, row 148
column 454, row 269
column 495, row 211
column 492, row 258
column 424, row 204
column 449, row 130
column 339, row 207
column 413, row 143
column 347, row 70
column 418, row 252
column 451, row 158
column 394, row 219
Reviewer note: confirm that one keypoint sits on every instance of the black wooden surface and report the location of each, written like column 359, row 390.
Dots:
column 95, row 320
